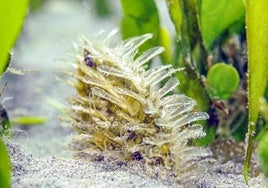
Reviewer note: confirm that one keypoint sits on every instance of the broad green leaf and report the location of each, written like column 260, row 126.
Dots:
column 141, row 17
column 5, row 168
column 12, row 13
column 257, row 42
column 217, row 16
column 222, row 80
column 263, row 154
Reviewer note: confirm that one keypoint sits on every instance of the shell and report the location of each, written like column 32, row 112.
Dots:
column 120, row 105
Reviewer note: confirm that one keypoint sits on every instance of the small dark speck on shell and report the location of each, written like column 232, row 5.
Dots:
column 137, row 156
column 132, row 135
column 89, row 62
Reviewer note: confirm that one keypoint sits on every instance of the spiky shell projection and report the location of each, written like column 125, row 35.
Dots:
column 122, row 106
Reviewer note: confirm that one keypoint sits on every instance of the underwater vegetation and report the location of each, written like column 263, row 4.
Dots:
column 10, row 29
column 210, row 84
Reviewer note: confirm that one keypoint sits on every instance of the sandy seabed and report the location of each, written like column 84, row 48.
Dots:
column 39, row 154
column 49, row 171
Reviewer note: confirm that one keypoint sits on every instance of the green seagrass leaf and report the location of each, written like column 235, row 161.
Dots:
column 216, row 17
column 5, row 168
column 257, row 42
column 12, row 13
column 141, row 17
